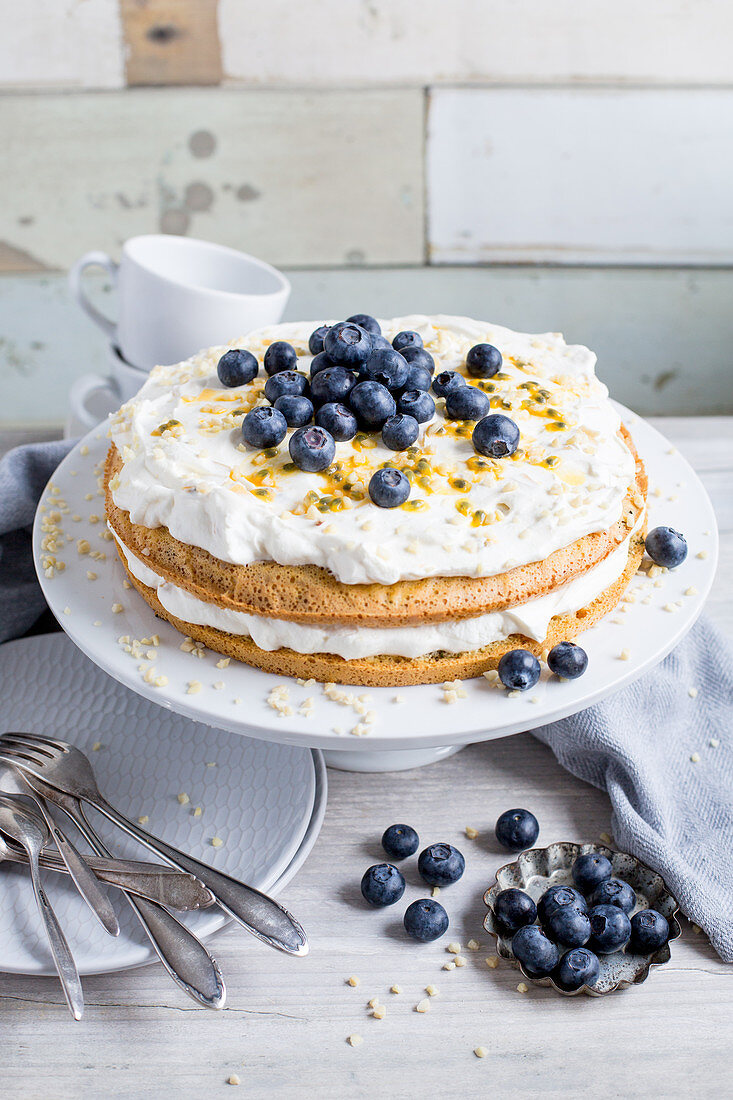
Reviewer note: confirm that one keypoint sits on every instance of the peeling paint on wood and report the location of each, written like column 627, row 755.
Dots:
column 171, row 41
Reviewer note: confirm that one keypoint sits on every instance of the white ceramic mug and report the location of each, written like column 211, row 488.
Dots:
column 176, row 295
column 93, row 396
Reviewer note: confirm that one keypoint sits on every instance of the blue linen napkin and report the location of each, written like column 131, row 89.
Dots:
column 671, row 811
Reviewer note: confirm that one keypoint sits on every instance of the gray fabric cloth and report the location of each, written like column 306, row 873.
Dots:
column 24, row 473
column 674, row 814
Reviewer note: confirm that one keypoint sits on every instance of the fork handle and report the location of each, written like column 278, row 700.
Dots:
column 62, row 957
column 255, row 911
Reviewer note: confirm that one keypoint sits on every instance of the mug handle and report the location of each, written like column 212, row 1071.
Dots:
column 82, row 389
column 93, row 259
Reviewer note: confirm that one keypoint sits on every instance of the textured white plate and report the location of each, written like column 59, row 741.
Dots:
column 261, row 799
column 646, row 630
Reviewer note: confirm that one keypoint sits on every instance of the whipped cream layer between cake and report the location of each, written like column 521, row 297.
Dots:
column 185, row 468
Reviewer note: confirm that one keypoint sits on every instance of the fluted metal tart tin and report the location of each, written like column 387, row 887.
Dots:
column 539, row 868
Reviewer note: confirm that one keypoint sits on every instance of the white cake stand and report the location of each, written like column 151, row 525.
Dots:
column 410, row 726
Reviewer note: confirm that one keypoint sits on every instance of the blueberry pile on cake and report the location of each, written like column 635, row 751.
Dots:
column 377, row 502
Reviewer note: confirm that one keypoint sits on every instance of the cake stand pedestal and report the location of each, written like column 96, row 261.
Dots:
column 388, row 760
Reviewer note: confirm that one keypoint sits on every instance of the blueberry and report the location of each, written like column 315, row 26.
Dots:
column 589, row 870
column 568, row 926
column 237, row 367
column 338, row 420
column 610, row 929
column 483, row 361
column 367, row 322
column 519, row 670
column 537, row 954
column 286, row 381
column 316, row 338
column 560, row 897
column 614, row 891
column 446, row 381
column 298, row 411
column 388, row 488
column 496, row 436
column 407, row 339
column 418, row 357
column 387, row 366
column 577, row 968
column 466, row 403
column 568, row 660
column 417, row 403
column 312, row 449
column 320, row 362
column 400, row 841
column 332, row 384
column 400, row 432
column 347, row 344
column 517, row 830
column 440, row 864
column 426, row 920
column 372, row 404
column 649, row 932
column 666, row 547
column 280, row 356
column 417, row 378
column 382, row 885
column 379, row 341
column 264, row 427
column 513, row 909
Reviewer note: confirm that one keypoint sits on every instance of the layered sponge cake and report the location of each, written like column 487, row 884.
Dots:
column 378, row 503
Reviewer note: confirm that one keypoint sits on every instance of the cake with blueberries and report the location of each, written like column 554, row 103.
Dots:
column 379, row 502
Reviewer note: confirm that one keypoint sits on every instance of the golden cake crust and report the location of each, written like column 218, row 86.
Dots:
column 311, row 595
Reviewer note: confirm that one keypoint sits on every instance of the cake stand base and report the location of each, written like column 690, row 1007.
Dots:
column 387, row 760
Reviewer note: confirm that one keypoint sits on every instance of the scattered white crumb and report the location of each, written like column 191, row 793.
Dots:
column 691, row 591
column 434, row 892
column 522, row 988
column 695, row 757
column 398, row 698
column 216, row 842
column 353, row 981
column 624, row 655
column 183, row 798
column 492, row 962
column 67, row 611
column 374, row 1003
column 355, row 1040
column 143, row 819
column 232, row 1079
column 692, row 692
column 702, row 554
column 480, row 1052
column 211, row 763
column 471, row 833
column 395, row 989
column 449, row 966
column 96, row 746
column 713, row 742
column 379, row 1012
column 223, row 663
column 194, row 687
column 423, row 1006
column 454, row 948
column 197, row 811
column 431, row 991
column 218, row 685
column 472, row 945
column 117, row 608
column 459, row 960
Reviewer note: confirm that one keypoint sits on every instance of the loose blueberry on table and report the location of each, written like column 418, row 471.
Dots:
column 440, row 864
column 568, row 660
column 382, row 885
column 519, row 670
column 577, row 968
column 425, row 920
column 649, row 932
column 610, row 929
column 666, row 547
column 237, row 368
column 538, row 955
column 614, row 891
column 589, row 870
column 513, row 909
column 400, row 841
column 517, row 829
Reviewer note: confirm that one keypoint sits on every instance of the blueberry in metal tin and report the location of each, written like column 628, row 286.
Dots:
column 312, row 449
column 649, row 932
column 560, row 897
column 614, row 891
column 264, row 427
column 298, row 411
column 400, row 432
column 577, row 968
column 387, row 366
column 417, row 403
column 372, row 403
column 517, row 829
column 407, row 338
column 418, row 357
column 400, row 841
column 666, row 547
column 466, row 403
column 519, row 670
column 367, row 322
column 237, row 367
column 332, row 384
column 338, row 420
column 538, row 955
column 513, row 909
column 417, row 378
column 495, row 436
column 483, row 361
column 568, row 660
column 388, row 488
column 446, row 381
column 280, row 356
column 286, row 381
column 425, row 920
column 610, row 929
column 347, row 344
column 568, row 926
column 589, row 870
column 382, row 885
column 320, row 362
column 316, row 338
column 441, row 864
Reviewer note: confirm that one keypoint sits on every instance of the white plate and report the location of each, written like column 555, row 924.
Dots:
column 265, row 801
column 646, row 631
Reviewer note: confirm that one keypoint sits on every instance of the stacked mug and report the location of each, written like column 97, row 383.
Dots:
column 175, row 295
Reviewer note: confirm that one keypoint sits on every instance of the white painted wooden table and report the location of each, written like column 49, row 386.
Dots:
column 284, row 1030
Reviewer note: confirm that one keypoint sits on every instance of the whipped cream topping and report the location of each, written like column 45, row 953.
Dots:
column 531, row 619
column 186, row 467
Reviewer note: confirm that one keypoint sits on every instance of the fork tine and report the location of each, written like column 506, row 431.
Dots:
column 13, row 756
column 16, row 743
column 38, row 742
